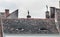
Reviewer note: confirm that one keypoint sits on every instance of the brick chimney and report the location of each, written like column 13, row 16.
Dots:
column 6, row 12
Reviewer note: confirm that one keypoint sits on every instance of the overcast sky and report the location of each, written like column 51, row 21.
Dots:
column 36, row 8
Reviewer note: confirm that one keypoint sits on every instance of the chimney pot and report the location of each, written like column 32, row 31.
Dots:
column 6, row 12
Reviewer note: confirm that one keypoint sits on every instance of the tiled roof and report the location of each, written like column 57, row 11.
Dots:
column 2, row 13
column 29, row 26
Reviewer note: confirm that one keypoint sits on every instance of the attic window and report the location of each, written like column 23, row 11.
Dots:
column 43, row 29
column 20, row 29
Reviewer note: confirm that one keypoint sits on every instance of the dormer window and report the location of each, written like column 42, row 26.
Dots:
column 43, row 29
column 21, row 29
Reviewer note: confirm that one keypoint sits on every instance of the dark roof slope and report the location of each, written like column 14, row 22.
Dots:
column 29, row 26
column 2, row 13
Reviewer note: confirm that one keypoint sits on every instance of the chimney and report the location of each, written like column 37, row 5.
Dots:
column 6, row 12
column 47, row 12
column 52, row 12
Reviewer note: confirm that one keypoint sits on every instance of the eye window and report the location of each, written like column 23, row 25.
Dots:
column 20, row 29
column 43, row 29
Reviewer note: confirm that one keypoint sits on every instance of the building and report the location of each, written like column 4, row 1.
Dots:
column 31, row 25
column 13, row 15
column 58, row 18
column 7, row 15
column 14, row 25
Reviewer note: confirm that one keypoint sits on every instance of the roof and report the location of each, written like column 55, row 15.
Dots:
column 2, row 13
column 16, row 11
column 29, row 26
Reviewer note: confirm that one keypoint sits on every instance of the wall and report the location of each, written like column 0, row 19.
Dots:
column 13, row 15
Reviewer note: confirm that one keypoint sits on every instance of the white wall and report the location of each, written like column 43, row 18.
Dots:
column 41, row 35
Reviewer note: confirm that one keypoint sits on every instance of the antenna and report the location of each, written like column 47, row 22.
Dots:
column 59, row 4
column 28, row 12
column 47, row 7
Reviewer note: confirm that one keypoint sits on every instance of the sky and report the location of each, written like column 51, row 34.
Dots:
column 36, row 8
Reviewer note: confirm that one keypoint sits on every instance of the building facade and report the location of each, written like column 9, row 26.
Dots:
column 7, row 15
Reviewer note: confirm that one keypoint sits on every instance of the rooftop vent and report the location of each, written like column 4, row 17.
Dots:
column 28, row 16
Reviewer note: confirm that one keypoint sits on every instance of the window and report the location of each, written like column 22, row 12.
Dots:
column 43, row 29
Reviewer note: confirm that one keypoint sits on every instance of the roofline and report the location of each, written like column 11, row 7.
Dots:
column 30, row 18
